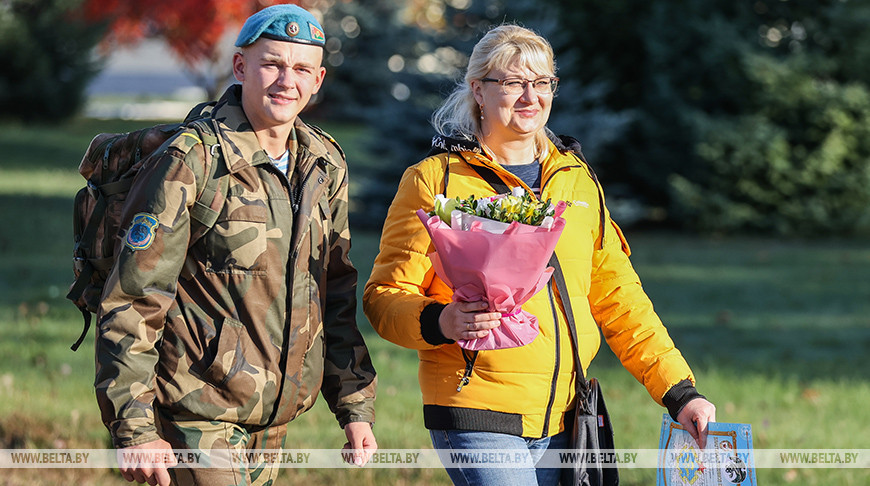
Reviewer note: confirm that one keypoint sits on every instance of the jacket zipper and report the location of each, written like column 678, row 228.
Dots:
column 558, row 361
column 295, row 200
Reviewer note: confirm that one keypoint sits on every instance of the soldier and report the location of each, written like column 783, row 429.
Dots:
column 216, row 341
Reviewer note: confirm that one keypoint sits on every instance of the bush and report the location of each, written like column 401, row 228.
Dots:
column 797, row 165
column 47, row 59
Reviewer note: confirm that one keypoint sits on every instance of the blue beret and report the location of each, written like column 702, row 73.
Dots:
column 290, row 23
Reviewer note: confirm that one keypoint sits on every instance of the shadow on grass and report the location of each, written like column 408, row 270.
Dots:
column 800, row 353
column 36, row 245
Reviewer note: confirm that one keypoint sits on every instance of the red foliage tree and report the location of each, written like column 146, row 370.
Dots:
column 193, row 29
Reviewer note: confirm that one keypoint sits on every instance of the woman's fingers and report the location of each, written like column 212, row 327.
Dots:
column 465, row 321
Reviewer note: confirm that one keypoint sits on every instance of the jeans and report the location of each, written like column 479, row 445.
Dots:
column 457, row 440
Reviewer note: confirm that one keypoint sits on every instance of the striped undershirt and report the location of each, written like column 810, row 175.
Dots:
column 282, row 162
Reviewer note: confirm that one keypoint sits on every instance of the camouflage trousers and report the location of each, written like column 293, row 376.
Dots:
column 221, row 439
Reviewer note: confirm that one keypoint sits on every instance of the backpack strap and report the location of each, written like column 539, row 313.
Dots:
column 200, row 120
column 215, row 183
column 86, row 315
column 85, row 266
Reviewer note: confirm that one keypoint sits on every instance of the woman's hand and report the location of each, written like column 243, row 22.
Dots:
column 467, row 320
column 695, row 416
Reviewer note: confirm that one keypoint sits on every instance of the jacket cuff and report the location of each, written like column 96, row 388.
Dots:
column 132, row 431
column 678, row 396
column 363, row 411
column 429, row 328
column 142, row 437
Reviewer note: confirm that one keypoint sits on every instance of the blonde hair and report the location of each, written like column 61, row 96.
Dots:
column 459, row 115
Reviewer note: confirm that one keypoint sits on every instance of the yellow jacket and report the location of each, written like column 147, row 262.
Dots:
column 529, row 390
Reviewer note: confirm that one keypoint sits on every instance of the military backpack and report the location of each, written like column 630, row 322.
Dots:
column 110, row 165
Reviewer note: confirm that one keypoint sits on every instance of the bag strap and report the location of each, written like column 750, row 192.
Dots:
column 581, row 385
column 491, row 177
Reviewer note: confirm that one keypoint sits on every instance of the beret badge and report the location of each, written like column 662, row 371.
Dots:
column 292, row 29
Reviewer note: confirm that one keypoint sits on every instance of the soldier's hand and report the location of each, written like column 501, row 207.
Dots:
column 360, row 440
column 150, row 466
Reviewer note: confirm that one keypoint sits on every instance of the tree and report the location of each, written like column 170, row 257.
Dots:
column 413, row 66
column 46, row 59
column 798, row 165
column 740, row 109
column 661, row 62
column 197, row 31
column 794, row 160
column 426, row 54
column 360, row 38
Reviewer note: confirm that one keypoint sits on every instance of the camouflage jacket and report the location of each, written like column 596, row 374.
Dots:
column 247, row 323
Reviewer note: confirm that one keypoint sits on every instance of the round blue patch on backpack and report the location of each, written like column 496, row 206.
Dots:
column 141, row 232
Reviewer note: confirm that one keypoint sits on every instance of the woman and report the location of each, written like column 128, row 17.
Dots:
column 517, row 398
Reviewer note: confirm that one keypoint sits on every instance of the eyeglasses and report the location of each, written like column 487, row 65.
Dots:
column 514, row 86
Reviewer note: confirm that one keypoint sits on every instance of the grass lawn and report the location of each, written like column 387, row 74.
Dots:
column 776, row 331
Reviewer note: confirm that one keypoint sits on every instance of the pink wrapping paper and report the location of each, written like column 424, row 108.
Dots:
column 505, row 270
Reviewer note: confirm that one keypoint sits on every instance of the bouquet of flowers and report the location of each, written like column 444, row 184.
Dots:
column 495, row 249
